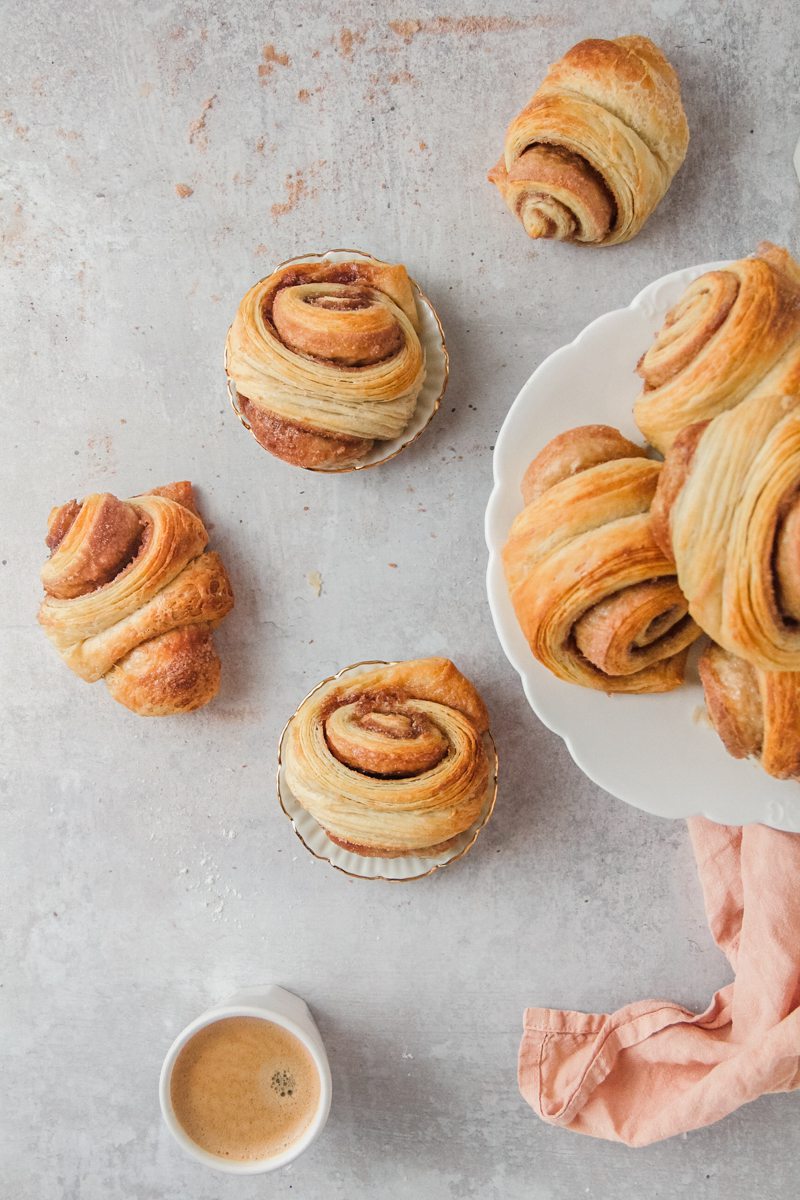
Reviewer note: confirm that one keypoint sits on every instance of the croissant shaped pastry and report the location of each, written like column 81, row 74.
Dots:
column 391, row 761
column 756, row 713
column 326, row 359
column 595, row 149
column 594, row 594
column 727, row 511
column 734, row 333
column 132, row 596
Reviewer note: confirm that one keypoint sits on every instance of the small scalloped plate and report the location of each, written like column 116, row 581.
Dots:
column 359, row 866
column 658, row 753
column 437, row 371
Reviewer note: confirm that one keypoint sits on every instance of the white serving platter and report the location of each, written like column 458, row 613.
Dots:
column 658, row 753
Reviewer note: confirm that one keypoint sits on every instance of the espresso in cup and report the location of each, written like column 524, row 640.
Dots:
column 245, row 1089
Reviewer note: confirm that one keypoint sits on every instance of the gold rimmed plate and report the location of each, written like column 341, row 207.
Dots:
column 359, row 866
column 437, row 370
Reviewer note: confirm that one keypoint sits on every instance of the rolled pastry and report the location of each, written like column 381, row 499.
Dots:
column 132, row 596
column 326, row 359
column 734, row 333
column 595, row 149
column 756, row 713
column 595, row 596
column 391, row 761
column 727, row 511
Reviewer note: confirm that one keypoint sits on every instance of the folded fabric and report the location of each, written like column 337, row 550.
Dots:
column 654, row 1069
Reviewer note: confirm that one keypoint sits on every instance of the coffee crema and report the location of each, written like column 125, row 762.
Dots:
column 244, row 1088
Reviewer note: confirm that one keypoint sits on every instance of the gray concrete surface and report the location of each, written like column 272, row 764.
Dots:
column 146, row 869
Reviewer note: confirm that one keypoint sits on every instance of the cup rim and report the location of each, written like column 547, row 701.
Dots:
column 244, row 1166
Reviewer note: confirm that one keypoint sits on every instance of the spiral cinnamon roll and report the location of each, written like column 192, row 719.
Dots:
column 734, row 333
column 326, row 359
column 596, row 597
column 756, row 713
column 594, row 151
column 391, row 761
column 727, row 511
column 132, row 597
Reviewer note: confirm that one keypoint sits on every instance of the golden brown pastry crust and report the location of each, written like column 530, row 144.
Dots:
column 368, row 851
column 298, row 446
column 132, row 597
column 326, row 359
column 727, row 505
column 172, row 673
column 756, row 713
column 88, row 544
column 733, row 334
column 391, row 761
column 595, row 149
column 572, row 452
column 596, row 598
column 672, row 478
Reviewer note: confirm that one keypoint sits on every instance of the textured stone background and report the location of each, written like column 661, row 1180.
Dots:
column 157, row 158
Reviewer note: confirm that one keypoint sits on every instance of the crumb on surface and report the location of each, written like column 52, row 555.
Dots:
column 197, row 128
column 346, row 40
column 272, row 58
column 464, row 26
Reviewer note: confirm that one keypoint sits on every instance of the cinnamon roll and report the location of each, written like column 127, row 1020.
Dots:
column 756, row 713
column 327, row 360
column 391, row 761
column 594, row 151
column 734, row 333
column 595, row 596
column 132, row 596
column 727, row 511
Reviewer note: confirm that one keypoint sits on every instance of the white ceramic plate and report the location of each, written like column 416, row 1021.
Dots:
column 658, row 753
column 437, row 369
column 392, row 870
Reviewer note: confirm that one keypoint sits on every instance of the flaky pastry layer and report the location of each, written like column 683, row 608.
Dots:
column 595, row 596
column 728, row 513
column 734, row 333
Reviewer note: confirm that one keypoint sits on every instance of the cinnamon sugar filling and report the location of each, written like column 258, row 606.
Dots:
column 114, row 535
column 382, row 737
column 570, row 159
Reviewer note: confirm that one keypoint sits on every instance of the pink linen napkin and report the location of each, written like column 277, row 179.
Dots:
column 653, row 1069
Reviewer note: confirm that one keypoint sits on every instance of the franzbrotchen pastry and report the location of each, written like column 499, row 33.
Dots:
column 734, row 333
column 132, row 596
column 595, row 149
column 327, row 360
column 595, row 595
column 391, row 761
column 756, row 713
column 727, row 511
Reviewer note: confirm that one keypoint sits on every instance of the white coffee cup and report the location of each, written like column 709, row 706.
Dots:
column 270, row 1003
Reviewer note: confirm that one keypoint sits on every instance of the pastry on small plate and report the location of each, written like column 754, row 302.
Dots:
column 336, row 361
column 132, row 596
column 388, row 770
